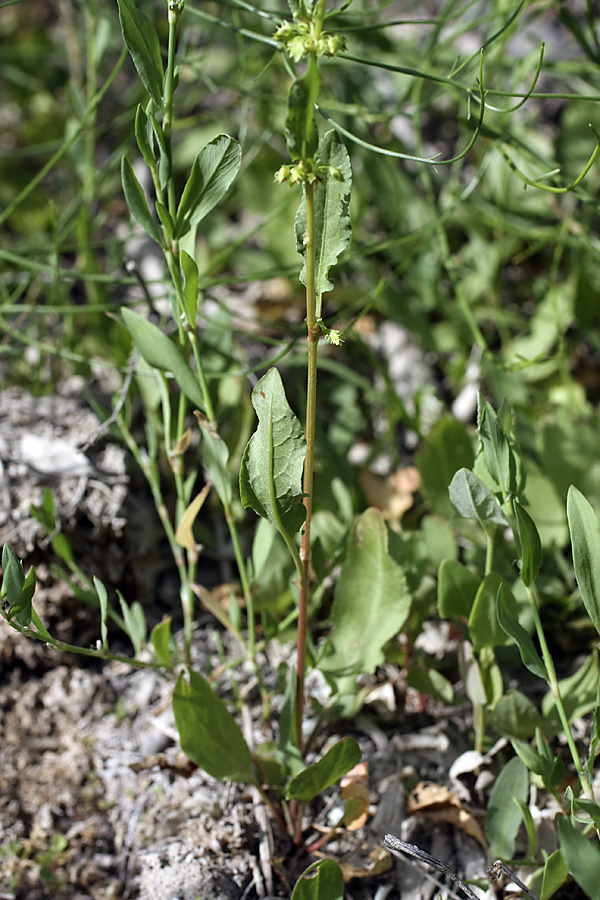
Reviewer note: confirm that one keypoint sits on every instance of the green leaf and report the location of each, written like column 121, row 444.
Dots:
column 585, row 805
column 555, row 875
column 213, row 171
column 13, row 577
column 142, row 42
column 288, row 752
column 371, row 600
column 342, row 757
column 530, row 757
column 457, row 588
column 144, row 136
column 159, row 351
column 472, row 499
column 445, row 449
column 216, row 457
column 209, row 735
column 332, row 219
column 507, row 617
column 515, row 716
column 578, row 692
column 135, row 623
column 321, row 881
column 503, row 816
column 484, row 629
column 582, row 857
column 164, row 155
column 273, row 461
column 497, row 453
column 585, row 541
column 136, row 201
column 531, row 545
column 103, row 601
column 160, row 637
column 190, row 286
column 301, row 133
column 166, row 219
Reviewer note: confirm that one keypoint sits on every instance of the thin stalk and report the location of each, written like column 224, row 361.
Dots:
column 555, row 691
column 311, row 406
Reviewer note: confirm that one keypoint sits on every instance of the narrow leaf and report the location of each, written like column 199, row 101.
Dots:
column 184, row 534
column 472, row 499
column 142, row 42
column 135, row 623
column 371, row 601
column 272, row 464
column 582, row 857
column 160, row 637
column 321, row 881
column 332, row 218
column 103, row 601
column 13, row 576
column 159, row 351
column 497, row 452
column 585, row 541
column 484, row 629
column 209, row 735
column 136, row 201
column 531, row 545
column 555, row 875
column 507, row 617
column 213, row 171
column 342, row 757
column 503, row 816
column 190, row 285
column 216, row 458
column 144, row 136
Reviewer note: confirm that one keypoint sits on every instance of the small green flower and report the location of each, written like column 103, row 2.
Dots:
column 334, row 337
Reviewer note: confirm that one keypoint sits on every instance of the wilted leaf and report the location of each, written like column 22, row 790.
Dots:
column 354, row 789
column 441, row 804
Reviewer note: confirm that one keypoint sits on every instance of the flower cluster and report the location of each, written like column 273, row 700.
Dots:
column 298, row 41
column 306, row 173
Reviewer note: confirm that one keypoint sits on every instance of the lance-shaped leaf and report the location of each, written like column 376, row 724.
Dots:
column 142, row 42
column 328, row 770
column 271, row 472
column 209, row 735
column 585, row 540
column 497, row 453
column 332, row 219
column 212, row 173
column 159, row 351
column 136, row 201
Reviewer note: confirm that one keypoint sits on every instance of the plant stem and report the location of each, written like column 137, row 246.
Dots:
column 311, row 406
column 555, row 691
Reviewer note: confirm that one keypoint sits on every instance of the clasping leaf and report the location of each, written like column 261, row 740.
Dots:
column 272, row 464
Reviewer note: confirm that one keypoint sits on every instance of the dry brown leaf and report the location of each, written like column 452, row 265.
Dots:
column 380, row 860
column 354, row 789
column 441, row 804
